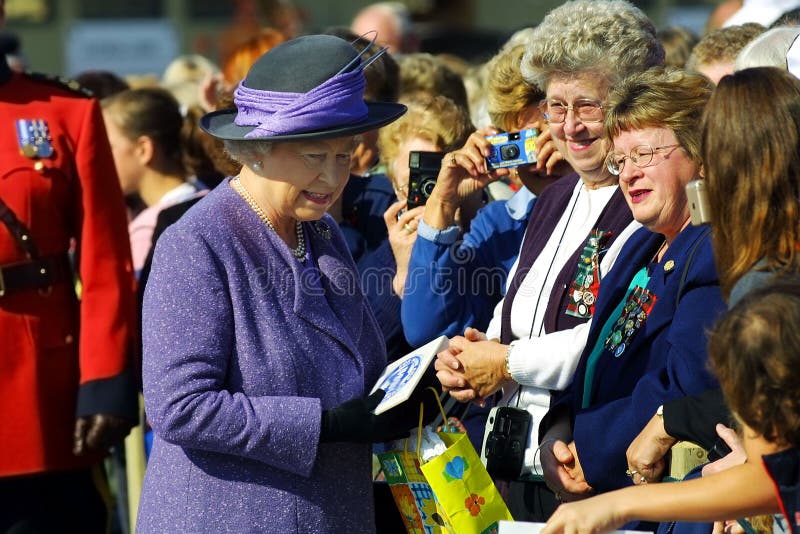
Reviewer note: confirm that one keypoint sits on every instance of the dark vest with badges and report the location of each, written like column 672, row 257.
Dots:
column 571, row 301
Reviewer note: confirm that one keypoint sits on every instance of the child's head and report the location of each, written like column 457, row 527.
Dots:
column 755, row 352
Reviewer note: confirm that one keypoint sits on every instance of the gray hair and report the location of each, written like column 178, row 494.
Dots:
column 611, row 38
column 246, row 151
column 768, row 49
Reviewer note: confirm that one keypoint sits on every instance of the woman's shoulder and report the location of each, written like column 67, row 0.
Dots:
column 209, row 219
column 756, row 277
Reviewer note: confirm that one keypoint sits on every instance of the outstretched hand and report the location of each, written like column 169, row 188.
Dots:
column 591, row 516
column 353, row 420
column 735, row 457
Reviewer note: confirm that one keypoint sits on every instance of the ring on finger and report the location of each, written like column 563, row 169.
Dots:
column 631, row 474
column 642, row 479
column 408, row 228
column 453, row 160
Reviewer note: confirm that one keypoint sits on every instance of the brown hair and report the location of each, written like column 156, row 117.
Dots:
column 661, row 98
column 152, row 112
column 751, row 150
column 507, row 92
column 678, row 44
column 755, row 352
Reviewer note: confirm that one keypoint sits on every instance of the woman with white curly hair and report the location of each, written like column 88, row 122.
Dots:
column 574, row 234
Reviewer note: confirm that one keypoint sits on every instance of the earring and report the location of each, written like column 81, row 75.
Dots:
column 257, row 165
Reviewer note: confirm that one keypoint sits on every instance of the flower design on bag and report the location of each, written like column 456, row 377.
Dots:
column 408, row 507
column 474, row 503
column 455, row 468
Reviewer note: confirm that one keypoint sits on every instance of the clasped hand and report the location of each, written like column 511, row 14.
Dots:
column 562, row 470
column 472, row 368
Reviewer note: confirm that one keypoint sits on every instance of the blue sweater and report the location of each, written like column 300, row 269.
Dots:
column 453, row 283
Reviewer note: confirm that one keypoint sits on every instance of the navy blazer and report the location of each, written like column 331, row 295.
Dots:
column 666, row 359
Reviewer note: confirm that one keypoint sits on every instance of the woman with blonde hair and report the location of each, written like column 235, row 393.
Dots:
column 432, row 124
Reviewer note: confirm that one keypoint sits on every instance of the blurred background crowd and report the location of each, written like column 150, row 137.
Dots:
column 158, row 66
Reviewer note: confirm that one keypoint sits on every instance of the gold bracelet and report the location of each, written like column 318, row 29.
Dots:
column 508, row 355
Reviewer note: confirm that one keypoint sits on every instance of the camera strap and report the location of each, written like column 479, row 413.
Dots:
column 550, row 267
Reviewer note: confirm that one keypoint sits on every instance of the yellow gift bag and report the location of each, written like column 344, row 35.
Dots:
column 466, row 494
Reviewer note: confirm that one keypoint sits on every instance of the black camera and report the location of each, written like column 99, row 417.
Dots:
column 423, row 170
column 505, row 441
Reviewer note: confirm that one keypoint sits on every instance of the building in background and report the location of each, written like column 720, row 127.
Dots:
column 69, row 36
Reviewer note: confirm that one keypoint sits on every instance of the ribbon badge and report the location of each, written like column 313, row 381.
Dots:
column 33, row 136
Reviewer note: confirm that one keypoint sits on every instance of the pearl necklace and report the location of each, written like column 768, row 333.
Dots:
column 300, row 251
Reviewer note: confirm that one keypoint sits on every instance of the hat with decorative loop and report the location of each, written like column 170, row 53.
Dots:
column 311, row 87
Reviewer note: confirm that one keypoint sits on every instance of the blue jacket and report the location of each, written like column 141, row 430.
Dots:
column 664, row 360
column 454, row 283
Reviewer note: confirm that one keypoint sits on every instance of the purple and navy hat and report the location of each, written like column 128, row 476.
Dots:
column 311, row 87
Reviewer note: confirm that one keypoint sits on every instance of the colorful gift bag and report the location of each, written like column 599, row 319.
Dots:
column 412, row 493
column 466, row 494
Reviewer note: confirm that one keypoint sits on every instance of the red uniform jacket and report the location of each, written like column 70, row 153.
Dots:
column 60, row 357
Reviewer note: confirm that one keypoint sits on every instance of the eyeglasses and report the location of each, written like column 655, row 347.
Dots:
column 641, row 156
column 586, row 109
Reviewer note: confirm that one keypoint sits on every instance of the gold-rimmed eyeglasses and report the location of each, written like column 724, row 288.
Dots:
column 641, row 156
column 585, row 109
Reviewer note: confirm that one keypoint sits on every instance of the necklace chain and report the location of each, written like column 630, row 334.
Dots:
column 300, row 251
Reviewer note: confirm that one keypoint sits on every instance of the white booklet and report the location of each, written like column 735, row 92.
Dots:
column 401, row 377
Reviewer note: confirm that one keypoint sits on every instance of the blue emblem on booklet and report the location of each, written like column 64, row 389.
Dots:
column 401, row 377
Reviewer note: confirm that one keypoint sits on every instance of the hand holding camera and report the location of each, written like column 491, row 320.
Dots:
column 402, row 226
column 549, row 161
column 512, row 149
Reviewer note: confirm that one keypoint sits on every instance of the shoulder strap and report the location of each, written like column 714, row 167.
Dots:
column 19, row 231
column 685, row 273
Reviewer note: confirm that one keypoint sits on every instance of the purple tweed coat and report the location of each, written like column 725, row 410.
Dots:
column 243, row 349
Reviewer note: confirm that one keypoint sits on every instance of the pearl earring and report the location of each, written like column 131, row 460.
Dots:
column 257, row 165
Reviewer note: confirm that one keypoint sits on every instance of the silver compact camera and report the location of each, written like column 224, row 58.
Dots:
column 698, row 202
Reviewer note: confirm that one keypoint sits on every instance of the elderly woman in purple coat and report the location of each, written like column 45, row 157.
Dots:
column 259, row 347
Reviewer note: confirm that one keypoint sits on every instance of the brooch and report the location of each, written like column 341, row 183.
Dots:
column 322, row 229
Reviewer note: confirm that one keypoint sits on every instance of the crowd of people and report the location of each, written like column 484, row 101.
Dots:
column 226, row 259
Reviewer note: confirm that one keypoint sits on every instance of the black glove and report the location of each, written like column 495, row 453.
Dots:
column 353, row 421
column 99, row 432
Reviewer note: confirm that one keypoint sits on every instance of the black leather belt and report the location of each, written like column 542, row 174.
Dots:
column 40, row 274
